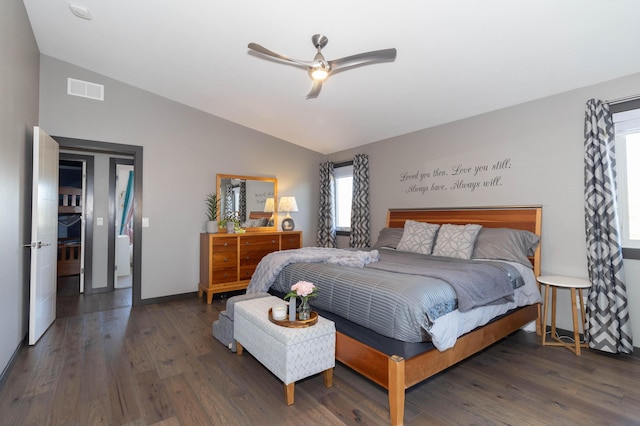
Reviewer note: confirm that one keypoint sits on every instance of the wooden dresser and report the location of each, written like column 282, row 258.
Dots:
column 227, row 261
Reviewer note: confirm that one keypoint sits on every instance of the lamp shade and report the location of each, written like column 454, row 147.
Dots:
column 287, row 204
column 269, row 205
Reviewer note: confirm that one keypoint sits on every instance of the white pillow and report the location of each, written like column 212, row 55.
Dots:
column 418, row 237
column 456, row 240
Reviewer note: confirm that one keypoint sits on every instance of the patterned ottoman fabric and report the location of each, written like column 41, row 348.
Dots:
column 290, row 354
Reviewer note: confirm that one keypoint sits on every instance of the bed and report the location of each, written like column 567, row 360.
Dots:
column 397, row 368
column 69, row 215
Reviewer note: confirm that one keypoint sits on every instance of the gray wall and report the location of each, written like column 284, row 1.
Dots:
column 537, row 151
column 183, row 150
column 18, row 114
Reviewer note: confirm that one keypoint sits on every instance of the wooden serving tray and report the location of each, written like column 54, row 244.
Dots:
column 297, row 323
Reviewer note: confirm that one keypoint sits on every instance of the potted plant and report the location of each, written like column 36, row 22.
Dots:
column 231, row 222
column 212, row 204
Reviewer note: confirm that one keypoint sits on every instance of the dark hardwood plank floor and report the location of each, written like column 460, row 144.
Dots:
column 70, row 302
column 159, row 365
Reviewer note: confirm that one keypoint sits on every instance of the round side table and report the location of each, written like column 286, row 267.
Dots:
column 573, row 284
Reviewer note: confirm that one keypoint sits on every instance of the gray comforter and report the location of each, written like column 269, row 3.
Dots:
column 476, row 283
column 397, row 296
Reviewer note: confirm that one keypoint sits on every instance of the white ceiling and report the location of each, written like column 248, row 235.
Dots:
column 456, row 58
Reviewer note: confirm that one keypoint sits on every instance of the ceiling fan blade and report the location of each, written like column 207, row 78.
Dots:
column 384, row 55
column 315, row 90
column 257, row 48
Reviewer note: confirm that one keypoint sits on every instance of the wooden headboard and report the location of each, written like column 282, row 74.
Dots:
column 528, row 218
column 260, row 215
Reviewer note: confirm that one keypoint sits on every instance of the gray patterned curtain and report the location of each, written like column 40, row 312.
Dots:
column 242, row 209
column 360, row 222
column 608, row 325
column 326, row 212
column 228, row 201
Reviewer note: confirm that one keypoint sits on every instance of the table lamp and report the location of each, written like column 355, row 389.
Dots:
column 287, row 204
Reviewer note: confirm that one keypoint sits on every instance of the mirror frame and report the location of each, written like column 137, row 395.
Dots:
column 273, row 180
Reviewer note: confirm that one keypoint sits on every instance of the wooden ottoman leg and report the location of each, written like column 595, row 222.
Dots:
column 238, row 348
column 327, row 376
column 289, row 392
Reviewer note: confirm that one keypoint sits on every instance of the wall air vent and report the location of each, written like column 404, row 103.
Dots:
column 84, row 89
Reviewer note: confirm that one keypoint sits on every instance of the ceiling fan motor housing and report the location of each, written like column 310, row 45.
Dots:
column 319, row 41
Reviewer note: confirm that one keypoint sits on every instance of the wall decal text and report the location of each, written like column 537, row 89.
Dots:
column 458, row 177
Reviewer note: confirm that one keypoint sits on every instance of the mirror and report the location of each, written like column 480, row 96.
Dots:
column 245, row 197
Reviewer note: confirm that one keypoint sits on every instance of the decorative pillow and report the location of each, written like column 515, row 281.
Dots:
column 456, row 240
column 389, row 237
column 506, row 244
column 254, row 223
column 418, row 237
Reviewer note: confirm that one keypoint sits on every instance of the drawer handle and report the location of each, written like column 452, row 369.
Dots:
column 226, row 260
column 226, row 244
column 273, row 241
column 226, row 275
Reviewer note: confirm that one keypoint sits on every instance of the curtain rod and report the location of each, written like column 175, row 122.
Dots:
column 625, row 99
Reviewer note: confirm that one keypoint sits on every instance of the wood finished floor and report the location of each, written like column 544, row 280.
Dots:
column 159, row 365
column 70, row 302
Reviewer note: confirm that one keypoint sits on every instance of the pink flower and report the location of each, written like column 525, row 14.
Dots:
column 303, row 288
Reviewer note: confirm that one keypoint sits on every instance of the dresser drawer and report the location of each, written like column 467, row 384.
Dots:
column 253, row 257
column 224, row 245
column 224, row 259
column 289, row 241
column 224, row 275
column 266, row 243
column 247, row 271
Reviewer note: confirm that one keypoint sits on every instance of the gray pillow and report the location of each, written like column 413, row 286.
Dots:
column 456, row 240
column 254, row 223
column 418, row 237
column 506, row 244
column 389, row 237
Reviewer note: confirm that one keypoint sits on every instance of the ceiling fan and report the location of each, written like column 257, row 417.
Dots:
column 320, row 68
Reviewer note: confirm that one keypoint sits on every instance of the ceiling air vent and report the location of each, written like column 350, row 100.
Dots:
column 84, row 89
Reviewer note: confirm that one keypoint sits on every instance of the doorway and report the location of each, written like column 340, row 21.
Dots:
column 121, row 232
column 132, row 154
column 74, row 220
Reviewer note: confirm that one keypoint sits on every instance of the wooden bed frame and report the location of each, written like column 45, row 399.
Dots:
column 397, row 374
column 260, row 215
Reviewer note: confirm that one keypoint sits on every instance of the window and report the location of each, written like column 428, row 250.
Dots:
column 627, row 130
column 344, row 190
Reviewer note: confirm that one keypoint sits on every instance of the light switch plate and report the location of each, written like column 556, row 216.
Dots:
column 145, row 222
column 99, row 221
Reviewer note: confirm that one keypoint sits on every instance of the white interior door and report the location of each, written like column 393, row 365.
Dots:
column 44, row 235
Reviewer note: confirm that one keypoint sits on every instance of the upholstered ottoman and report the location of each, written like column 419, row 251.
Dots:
column 289, row 353
column 222, row 328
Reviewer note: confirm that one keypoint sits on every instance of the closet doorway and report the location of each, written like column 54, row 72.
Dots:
column 75, row 185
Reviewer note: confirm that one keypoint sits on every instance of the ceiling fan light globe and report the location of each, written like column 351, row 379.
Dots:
column 319, row 74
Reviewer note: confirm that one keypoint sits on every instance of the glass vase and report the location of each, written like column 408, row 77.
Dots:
column 304, row 310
